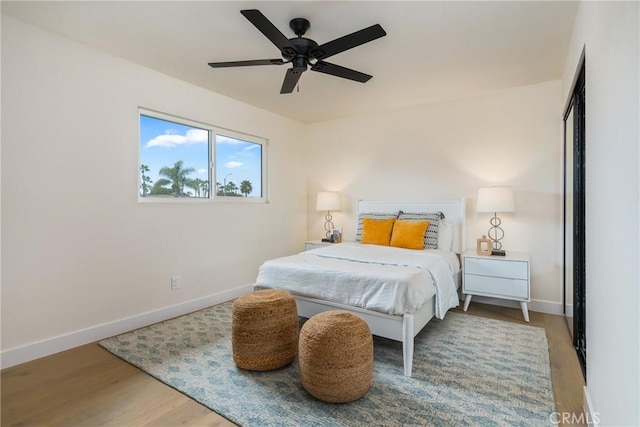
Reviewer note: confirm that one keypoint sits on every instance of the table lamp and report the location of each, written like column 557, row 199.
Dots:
column 328, row 201
column 494, row 200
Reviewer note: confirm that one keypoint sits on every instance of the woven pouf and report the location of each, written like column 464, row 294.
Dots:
column 335, row 356
column 264, row 330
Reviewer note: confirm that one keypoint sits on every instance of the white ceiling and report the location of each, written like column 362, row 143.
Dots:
column 433, row 51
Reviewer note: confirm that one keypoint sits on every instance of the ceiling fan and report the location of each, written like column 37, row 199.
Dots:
column 303, row 52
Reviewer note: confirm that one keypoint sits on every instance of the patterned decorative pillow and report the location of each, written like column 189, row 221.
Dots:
column 431, row 236
column 372, row 215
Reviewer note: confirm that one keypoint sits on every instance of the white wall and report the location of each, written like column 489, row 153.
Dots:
column 78, row 249
column 448, row 150
column 608, row 32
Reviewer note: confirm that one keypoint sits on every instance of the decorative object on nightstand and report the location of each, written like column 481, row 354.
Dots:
column 483, row 246
column 328, row 201
column 494, row 200
column 505, row 277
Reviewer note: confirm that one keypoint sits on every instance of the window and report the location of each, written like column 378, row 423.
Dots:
column 179, row 157
column 238, row 167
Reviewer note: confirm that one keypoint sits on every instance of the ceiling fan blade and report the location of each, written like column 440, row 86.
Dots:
column 270, row 31
column 349, row 41
column 246, row 63
column 339, row 71
column 291, row 80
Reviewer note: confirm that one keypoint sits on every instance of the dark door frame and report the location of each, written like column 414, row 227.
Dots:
column 578, row 104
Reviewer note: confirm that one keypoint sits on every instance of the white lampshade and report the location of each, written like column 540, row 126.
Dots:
column 328, row 201
column 495, row 199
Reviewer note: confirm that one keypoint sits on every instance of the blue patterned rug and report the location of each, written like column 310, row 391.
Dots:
column 467, row 370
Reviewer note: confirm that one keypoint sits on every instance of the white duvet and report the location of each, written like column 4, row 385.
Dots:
column 380, row 278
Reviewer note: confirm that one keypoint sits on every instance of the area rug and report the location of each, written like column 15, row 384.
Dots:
column 467, row 370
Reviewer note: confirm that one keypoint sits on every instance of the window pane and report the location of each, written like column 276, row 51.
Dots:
column 174, row 159
column 238, row 167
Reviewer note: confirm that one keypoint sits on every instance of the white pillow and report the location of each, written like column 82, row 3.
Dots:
column 445, row 235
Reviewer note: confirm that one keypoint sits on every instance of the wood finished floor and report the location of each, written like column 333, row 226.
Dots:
column 88, row 386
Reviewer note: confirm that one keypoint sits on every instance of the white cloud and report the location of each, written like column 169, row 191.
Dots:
column 251, row 147
column 226, row 140
column 202, row 171
column 171, row 139
column 231, row 165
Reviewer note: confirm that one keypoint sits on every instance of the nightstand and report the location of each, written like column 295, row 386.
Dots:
column 315, row 244
column 505, row 277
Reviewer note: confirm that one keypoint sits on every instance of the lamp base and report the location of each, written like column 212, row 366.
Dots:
column 328, row 225
column 498, row 252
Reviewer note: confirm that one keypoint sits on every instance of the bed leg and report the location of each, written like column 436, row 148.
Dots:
column 407, row 343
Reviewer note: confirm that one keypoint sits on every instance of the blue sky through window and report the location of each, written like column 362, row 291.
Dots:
column 239, row 160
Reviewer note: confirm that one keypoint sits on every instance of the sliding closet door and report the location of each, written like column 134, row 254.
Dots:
column 574, row 221
column 568, row 217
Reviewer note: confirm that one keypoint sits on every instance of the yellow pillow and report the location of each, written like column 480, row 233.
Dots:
column 376, row 231
column 409, row 234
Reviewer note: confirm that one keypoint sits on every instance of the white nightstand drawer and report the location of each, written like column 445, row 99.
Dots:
column 315, row 244
column 497, row 268
column 502, row 287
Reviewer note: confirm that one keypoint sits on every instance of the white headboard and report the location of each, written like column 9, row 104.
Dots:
column 453, row 210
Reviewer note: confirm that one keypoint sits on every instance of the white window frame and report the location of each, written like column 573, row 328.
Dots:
column 213, row 131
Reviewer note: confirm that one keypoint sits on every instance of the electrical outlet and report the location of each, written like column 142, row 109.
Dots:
column 175, row 283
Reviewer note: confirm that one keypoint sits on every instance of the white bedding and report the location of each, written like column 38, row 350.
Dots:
column 380, row 278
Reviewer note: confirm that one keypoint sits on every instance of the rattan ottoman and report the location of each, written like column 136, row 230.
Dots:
column 335, row 356
column 264, row 328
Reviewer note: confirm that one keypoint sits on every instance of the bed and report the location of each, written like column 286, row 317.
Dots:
column 396, row 291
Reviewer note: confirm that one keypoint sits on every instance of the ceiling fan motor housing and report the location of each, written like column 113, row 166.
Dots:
column 306, row 48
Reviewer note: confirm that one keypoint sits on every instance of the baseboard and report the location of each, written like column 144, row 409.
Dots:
column 17, row 355
column 549, row 307
column 593, row 417
column 540, row 306
column 569, row 312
